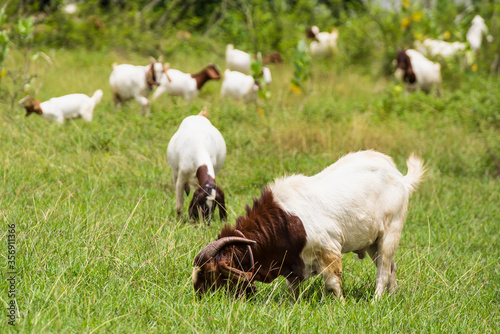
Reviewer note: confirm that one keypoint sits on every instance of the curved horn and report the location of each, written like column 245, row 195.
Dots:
column 214, row 247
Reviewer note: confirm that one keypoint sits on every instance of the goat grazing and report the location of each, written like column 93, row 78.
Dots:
column 416, row 70
column 434, row 47
column 196, row 154
column 324, row 44
column 240, row 86
column 136, row 82
column 186, row 85
column 301, row 225
column 57, row 109
column 238, row 60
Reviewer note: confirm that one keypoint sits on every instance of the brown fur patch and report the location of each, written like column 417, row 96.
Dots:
column 151, row 77
column 310, row 34
column 211, row 72
column 198, row 205
column 32, row 106
column 403, row 62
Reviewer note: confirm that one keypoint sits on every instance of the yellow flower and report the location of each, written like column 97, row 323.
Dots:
column 406, row 3
column 405, row 22
column 260, row 111
column 446, row 34
column 418, row 36
column 474, row 67
column 295, row 89
column 417, row 16
column 3, row 73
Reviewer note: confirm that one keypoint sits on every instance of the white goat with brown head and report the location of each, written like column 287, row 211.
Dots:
column 58, row 109
column 196, row 154
column 177, row 83
column 301, row 225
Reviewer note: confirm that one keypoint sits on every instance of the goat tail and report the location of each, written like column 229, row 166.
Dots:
column 415, row 173
column 97, row 96
column 204, row 112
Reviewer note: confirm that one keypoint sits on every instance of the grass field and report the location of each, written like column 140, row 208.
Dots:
column 99, row 248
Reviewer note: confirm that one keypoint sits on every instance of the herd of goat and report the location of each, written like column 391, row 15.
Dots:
column 300, row 225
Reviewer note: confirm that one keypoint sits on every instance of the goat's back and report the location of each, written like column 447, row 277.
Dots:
column 128, row 80
column 195, row 143
column 238, row 85
column 349, row 203
column 180, row 83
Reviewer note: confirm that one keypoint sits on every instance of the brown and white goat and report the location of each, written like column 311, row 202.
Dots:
column 185, row 84
column 300, row 226
column 196, row 154
column 417, row 71
column 58, row 109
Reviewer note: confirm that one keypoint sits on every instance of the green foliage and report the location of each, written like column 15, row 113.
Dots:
column 301, row 67
column 4, row 37
column 256, row 67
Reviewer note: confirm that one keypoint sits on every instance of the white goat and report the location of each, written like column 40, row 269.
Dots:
column 196, row 154
column 475, row 33
column 240, row 86
column 434, row 47
column 238, row 60
column 301, row 225
column 324, row 44
column 135, row 82
column 57, row 109
column 177, row 83
column 416, row 70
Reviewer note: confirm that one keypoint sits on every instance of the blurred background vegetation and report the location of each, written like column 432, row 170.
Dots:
column 370, row 31
column 367, row 30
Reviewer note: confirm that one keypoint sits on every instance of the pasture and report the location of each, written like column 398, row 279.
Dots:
column 99, row 248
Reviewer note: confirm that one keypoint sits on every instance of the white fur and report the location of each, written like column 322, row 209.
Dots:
column 427, row 73
column 325, row 45
column 196, row 143
column 239, row 86
column 433, row 48
column 238, row 60
column 266, row 73
column 57, row 109
column 129, row 82
column 475, row 33
column 180, row 84
column 359, row 202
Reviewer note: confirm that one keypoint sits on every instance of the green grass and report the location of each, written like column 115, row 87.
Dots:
column 99, row 248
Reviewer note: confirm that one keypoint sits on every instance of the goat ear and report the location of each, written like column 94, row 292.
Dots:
column 153, row 60
column 166, row 67
column 160, row 59
column 221, row 204
column 239, row 274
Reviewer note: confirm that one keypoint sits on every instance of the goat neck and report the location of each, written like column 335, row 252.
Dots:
column 203, row 177
column 274, row 254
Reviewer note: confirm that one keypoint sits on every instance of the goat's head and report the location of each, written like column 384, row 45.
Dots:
column 404, row 70
column 311, row 32
column 155, row 72
column 213, row 72
column 215, row 266
column 204, row 201
column 31, row 105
